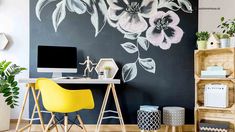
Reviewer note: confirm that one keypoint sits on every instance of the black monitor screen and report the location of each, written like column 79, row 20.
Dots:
column 57, row 57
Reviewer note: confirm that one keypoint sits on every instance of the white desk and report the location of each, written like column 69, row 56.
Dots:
column 111, row 86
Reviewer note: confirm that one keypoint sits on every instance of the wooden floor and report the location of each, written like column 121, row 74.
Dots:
column 105, row 128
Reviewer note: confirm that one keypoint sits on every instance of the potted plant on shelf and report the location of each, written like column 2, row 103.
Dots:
column 9, row 91
column 228, row 27
column 202, row 38
column 224, row 40
column 107, row 70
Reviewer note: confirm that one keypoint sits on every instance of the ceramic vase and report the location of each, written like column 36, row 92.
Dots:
column 224, row 43
column 201, row 45
column 232, row 42
column 4, row 115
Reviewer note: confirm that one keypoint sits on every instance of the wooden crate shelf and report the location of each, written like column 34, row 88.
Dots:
column 224, row 57
column 221, row 57
column 215, row 115
column 200, row 87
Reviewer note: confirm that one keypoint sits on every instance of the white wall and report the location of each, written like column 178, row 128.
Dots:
column 14, row 22
column 210, row 19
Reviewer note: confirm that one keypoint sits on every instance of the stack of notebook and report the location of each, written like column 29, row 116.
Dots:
column 149, row 108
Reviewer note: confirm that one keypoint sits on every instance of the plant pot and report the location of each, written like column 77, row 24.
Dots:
column 224, row 43
column 232, row 42
column 201, row 45
column 106, row 74
column 4, row 115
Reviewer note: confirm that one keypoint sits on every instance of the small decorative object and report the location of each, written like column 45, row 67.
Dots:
column 101, row 75
column 224, row 40
column 213, row 41
column 149, row 121
column 213, row 126
column 3, row 41
column 107, row 70
column 216, row 95
column 202, row 38
column 107, row 62
column 89, row 66
column 228, row 27
column 174, row 117
column 215, row 72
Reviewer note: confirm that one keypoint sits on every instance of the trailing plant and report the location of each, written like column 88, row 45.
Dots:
column 202, row 36
column 228, row 26
column 8, row 84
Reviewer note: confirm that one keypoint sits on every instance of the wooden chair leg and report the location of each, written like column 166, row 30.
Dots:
column 167, row 128
column 65, row 122
column 81, row 123
column 54, row 122
column 173, row 129
column 48, row 125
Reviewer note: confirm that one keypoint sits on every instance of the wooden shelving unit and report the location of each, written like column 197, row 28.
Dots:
column 224, row 57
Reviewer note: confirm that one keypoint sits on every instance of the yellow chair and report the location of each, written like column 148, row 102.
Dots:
column 59, row 100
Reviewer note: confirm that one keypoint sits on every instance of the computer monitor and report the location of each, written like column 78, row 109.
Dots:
column 57, row 60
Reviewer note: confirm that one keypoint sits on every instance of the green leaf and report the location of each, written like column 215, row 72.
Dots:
column 15, row 97
column 9, row 102
column 8, row 99
column 10, row 79
column 16, row 93
column 7, row 94
column 14, row 84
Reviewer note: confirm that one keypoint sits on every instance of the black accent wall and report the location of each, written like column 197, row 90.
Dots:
column 171, row 85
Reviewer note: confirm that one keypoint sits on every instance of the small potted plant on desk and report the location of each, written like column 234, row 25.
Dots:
column 202, row 38
column 228, row 27
column 9, row 91
column 107, row 70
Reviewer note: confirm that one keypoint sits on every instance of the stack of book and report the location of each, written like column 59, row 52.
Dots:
column 149, row 108
column 215, row 72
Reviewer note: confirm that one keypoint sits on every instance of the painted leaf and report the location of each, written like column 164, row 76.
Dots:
column 39, row 7
column 148, row 64
column 172, row 5
column 58, row 14
column 129, row 72
column 143, row 42
column 88, row 2
column 185, row 5
column 76, row 6
column 98, row 16
column 131, row 36
column 130, row 47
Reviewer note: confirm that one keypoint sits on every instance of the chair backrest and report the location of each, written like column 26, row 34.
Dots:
column 57, row 99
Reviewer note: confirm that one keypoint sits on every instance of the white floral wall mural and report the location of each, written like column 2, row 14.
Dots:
column 142, row 22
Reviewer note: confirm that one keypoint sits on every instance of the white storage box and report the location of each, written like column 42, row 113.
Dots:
column 216, row 95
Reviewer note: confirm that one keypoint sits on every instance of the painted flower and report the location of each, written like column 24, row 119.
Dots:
column 128, row 15
column 163, row 30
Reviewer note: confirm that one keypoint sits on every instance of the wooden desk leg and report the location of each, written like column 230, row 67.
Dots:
column 22, row 109
column 103, row 108
column 118, row 108
column 38, row 109
column 33, row 112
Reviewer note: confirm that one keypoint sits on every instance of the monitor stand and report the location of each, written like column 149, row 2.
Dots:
column 57, row 75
